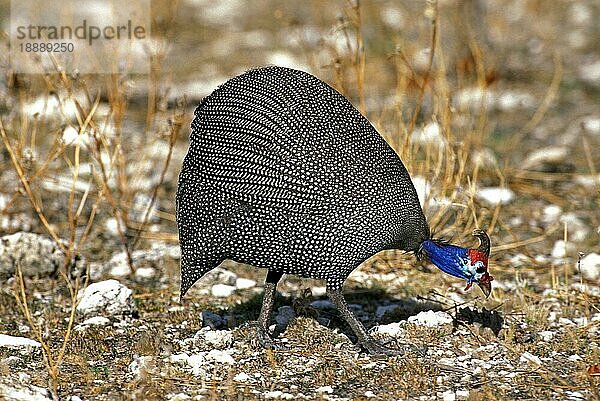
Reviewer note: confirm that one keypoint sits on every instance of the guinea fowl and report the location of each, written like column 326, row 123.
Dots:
column 283, row 173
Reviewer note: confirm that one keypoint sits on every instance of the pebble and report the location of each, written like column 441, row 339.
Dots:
column 325, row 389
column 431, row 319
column 178, row 397
column 244, row 283
column 495, row 195
column 561, row 250
column 20, row 392
column 109, row 296
column 241, row 377
column 590, row 267
column 196, row 362
column 530, row 358
column 430, row 134
column 449, row 395
column 393, row 329
column 215, row 338
column 222, row 290
column 22, row 343
column 220, row 357
column 92, row 321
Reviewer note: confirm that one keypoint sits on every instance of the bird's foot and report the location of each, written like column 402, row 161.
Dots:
column 375, row 348
column 267, row 342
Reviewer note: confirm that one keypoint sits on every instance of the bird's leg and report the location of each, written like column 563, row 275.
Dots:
column 368, row 343
column 265, row 340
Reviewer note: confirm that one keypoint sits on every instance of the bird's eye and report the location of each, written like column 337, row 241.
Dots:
column 479, row 267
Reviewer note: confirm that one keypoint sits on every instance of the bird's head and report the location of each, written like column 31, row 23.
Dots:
column 467, row 263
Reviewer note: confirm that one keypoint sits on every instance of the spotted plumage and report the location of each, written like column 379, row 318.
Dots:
column 283, row 173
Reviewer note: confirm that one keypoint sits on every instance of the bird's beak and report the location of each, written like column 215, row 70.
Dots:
column 486, row 288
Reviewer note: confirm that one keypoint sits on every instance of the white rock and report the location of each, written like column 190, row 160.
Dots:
column 178, row 397
column 241, row 377
column 591, row 125
column 590, row 266
column 277, row 394
column 220, row 357
column 222, row 290
column 7, row 341
column 71, row 137
column 92, row 321
column 449, row 396
column 430, row 134
column 551, row 213
column 590, row 72
column 546, row 335
column 179, row 358
column 214, row 338
column 108, row 296
column 495, row 195
column 473, row 98
column 318, row 291
column 530, row 358
column 15, row 392
column 431, row 319
column 462, row 394
column 144, row 273
column 574, row 358
column 196, row 362
column 244, row 283
column 393, row 329
column 561, row 250
column 325, row 389
column 511, row 100
column 369, row 394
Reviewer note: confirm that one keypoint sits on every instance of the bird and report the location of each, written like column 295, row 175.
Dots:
column 284, row 173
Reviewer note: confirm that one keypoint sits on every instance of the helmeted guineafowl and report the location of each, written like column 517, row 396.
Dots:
column 283, row 173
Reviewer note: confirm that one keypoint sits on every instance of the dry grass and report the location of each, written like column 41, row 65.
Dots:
column 71, row 190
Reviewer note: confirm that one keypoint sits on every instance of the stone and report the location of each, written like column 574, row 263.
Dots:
column 431, row 319
column 37, row 255
column 220, row 357
column 244, row 283
column 214, row 338
column 222, row 290
column 106, row 297
column 495, row 195
column 392, row 330
column 21, row 392
column 21, row 343
column 590, row 267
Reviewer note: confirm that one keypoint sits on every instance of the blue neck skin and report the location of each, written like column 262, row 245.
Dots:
column 451, row 259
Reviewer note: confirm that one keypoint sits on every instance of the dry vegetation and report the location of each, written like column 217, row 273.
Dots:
column 112, row 189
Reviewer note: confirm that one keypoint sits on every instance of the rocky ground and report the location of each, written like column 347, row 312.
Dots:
column 506, row 139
